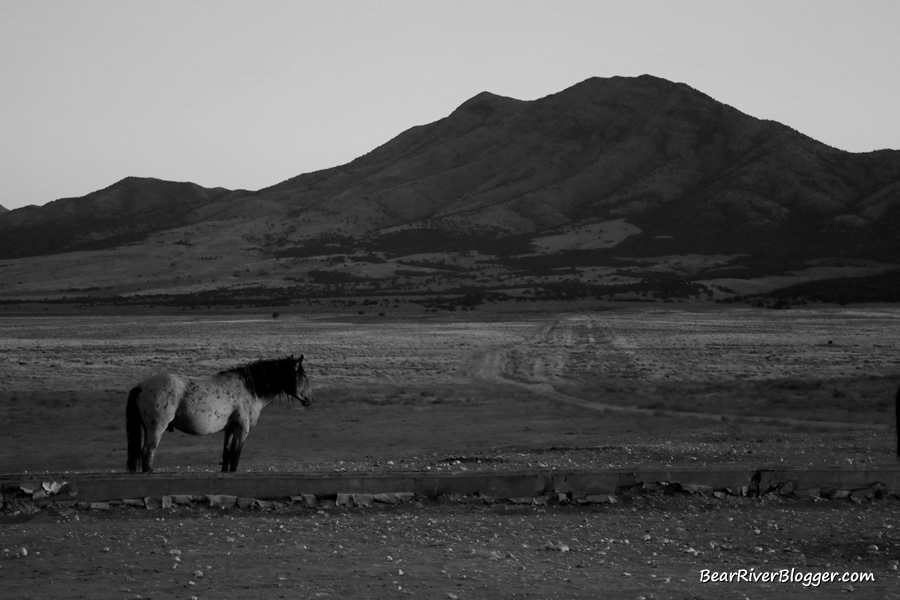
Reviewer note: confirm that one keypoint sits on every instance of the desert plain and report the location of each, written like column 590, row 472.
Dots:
column 490, row 389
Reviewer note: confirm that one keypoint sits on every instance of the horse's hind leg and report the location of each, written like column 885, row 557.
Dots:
column 151, row 442
column 235, row 434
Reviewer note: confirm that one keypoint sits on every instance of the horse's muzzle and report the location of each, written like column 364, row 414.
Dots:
column 304, row 400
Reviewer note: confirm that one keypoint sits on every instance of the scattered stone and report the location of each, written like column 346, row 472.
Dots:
column 221, row 500
column 363, row 499
column 601, row 499
column 560, row 547
column 693, row 488
column 787, row 488
column 99, row 505
column 387, row 498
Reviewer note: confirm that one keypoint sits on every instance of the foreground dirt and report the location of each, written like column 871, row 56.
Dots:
column 647, row 547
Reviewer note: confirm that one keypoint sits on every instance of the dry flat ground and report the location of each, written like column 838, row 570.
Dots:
column 474, row 390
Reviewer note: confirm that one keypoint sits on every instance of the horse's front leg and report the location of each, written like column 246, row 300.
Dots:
column 240, row 437
column 228, row 450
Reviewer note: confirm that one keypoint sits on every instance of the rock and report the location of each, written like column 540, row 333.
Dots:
column 363, row 499
column 308, row 500
column 863, row 494
column 221, row 500
column 787, row 488
column 601, row 499
column 694, row 488
column 560, row 547
column 344, row 500
column 387, row 498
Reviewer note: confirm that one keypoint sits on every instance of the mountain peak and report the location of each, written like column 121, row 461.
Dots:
column 486, row 104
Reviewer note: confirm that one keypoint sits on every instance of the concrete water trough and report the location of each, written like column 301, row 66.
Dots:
column 599, row 485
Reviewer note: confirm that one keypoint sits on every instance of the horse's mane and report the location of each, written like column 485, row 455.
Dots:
column 268, row 378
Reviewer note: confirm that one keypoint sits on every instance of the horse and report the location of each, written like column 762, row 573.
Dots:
column 231, row 400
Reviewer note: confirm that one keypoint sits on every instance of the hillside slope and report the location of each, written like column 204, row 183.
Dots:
column 612, row 186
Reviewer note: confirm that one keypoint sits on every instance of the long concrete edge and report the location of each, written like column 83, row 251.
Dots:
column 573, row 485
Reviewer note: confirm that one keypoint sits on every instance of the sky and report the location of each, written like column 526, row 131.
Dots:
column 245, row 94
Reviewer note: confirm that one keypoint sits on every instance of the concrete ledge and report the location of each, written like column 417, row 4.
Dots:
column 362, row 488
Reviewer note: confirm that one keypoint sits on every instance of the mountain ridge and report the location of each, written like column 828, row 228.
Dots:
column 648, row 167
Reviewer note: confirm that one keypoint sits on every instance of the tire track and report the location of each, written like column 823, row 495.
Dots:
column 491, row 367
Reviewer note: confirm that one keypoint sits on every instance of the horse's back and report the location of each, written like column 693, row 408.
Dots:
column 165, row 384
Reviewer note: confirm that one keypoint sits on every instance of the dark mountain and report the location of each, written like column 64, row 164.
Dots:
column 125, row 212
column 693, row 174
column 618, row 174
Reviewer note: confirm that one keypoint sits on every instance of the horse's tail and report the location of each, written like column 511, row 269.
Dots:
column 134, row 429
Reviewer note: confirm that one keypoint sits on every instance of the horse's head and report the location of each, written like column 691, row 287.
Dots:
column 302, row 390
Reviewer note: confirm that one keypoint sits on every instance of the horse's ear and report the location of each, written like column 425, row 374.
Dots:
column 300, row 360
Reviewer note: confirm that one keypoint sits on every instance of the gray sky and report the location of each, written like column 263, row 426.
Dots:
column 244, row 94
